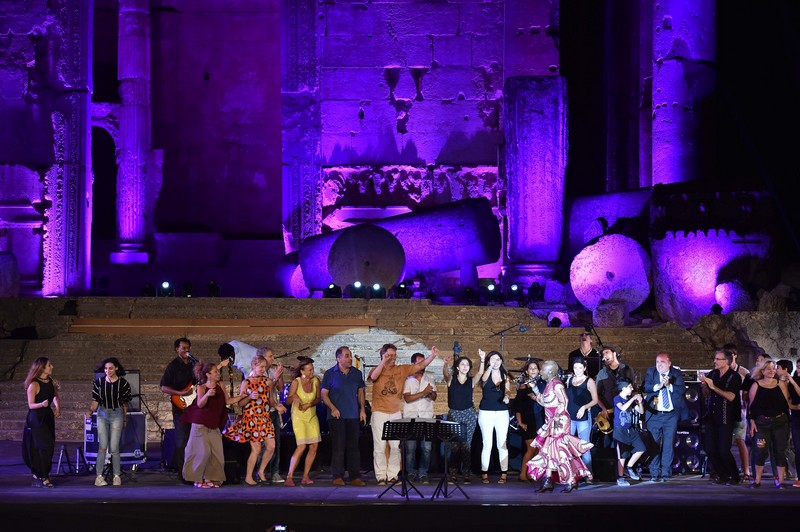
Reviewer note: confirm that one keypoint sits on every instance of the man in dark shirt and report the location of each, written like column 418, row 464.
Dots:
column 607, row 388
column 178, row 382
column 721, row 388
column 585, row 350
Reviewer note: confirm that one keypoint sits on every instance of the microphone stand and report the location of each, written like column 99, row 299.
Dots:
column 590, row 328
column 293, row 352
column 502, row 335
column 161, row 431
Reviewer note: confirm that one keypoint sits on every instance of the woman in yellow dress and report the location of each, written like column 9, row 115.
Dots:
column 304, row 394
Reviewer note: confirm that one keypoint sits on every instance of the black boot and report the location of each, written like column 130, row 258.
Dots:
column 572, row 487
column 547, row 485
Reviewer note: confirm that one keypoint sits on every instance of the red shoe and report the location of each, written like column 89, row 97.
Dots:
column 289, row 482
column 306, row 482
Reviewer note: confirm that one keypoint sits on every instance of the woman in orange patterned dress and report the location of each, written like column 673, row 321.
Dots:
column 255, row 426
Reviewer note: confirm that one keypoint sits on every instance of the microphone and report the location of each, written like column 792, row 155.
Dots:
column 189, row 355
column 357, row 357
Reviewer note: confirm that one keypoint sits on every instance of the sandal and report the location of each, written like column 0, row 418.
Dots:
column 746, row 478
column 306, row 482
column 503, row 478
column 289, row 482
column 485, row 478
column 47, row 484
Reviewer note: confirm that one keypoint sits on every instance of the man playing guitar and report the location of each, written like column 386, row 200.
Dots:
column 178, row 382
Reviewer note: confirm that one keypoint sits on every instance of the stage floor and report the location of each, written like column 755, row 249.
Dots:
column 151, row 499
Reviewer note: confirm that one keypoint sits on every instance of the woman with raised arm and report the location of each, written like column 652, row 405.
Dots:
column 205, row 461
column 462, row 410
column 304, row 395
column 256, row 427
column 39, row 434
column 110, row 397
column 529, row 413
column 769, row 421
column 493, row 415
column 559, row 451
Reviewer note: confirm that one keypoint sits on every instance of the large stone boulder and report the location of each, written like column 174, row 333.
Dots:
column 616, row 269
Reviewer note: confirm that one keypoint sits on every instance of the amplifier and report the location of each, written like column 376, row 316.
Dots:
column 132, row 445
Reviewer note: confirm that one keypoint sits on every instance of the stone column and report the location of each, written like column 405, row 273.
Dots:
column 134, row 126
column 302, row 171
column 684, row 80
column 535, row 164
column 67, row 239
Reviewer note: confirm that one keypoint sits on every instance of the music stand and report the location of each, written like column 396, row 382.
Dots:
column 447, row 432
column 404, row 431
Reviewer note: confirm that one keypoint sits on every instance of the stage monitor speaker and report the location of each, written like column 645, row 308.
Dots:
column 695, row 402
column 689, row 452
column 168, row 448
column 132, row 446
column 133, row 376
column 604, row 464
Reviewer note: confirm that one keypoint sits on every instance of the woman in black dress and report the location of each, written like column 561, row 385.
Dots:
column 39, row 434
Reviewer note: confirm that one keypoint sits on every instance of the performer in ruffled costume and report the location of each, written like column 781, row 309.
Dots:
column 559, row 451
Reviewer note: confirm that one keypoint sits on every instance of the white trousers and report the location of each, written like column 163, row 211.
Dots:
column 384, row 470
column 494, row 421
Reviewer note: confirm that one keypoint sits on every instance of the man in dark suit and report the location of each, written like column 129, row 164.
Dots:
column 666, row 406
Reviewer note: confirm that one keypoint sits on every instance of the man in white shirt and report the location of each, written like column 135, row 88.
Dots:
column 419, row 393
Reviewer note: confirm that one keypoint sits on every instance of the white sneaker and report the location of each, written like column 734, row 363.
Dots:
column 276, row 477
column 117, row 480
column 100, row 481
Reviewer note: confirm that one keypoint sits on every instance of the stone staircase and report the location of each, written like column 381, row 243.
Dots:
column 79, row 333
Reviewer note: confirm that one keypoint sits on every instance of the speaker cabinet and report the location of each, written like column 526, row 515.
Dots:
column 695, row 403
column 133, row 378
column 132, row 445
column 689, row 453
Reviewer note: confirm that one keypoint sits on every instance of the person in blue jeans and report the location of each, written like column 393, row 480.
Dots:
column 419, row 394
column 582, row 395
column 110, row 397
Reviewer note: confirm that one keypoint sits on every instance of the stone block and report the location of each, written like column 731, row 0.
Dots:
column 610, row 314
column 9, row 275
column 455, row 50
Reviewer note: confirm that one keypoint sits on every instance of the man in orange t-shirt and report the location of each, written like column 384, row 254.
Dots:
column 387, row 405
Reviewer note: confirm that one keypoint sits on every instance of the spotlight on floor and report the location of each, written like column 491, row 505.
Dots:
column 166, row 289
column 470, row 296
column 402, row 290
column 214, row 289
column 148, row 290
column 377, row 292
column 492, row 294
column 356, row 290
column 516, row 294
column 333, row 291
column 188, row 289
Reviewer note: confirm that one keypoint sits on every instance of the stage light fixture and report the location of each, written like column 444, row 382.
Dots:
column 214, row 289
column 188, row 289
column 402, row 291
column 492, row 294
column 516, row 294
column 469, row 296
column 166, row 289
column 148, row 290
column 332, row 292
column 377, row 292
column 356, row 290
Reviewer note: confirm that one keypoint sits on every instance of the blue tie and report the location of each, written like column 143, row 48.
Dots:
column 666, row 404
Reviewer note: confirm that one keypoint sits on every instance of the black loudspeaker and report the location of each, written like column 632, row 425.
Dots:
column 132, row 445
column 696, row 404
column 133, row 378
column 604, row 464
column 689, row 453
